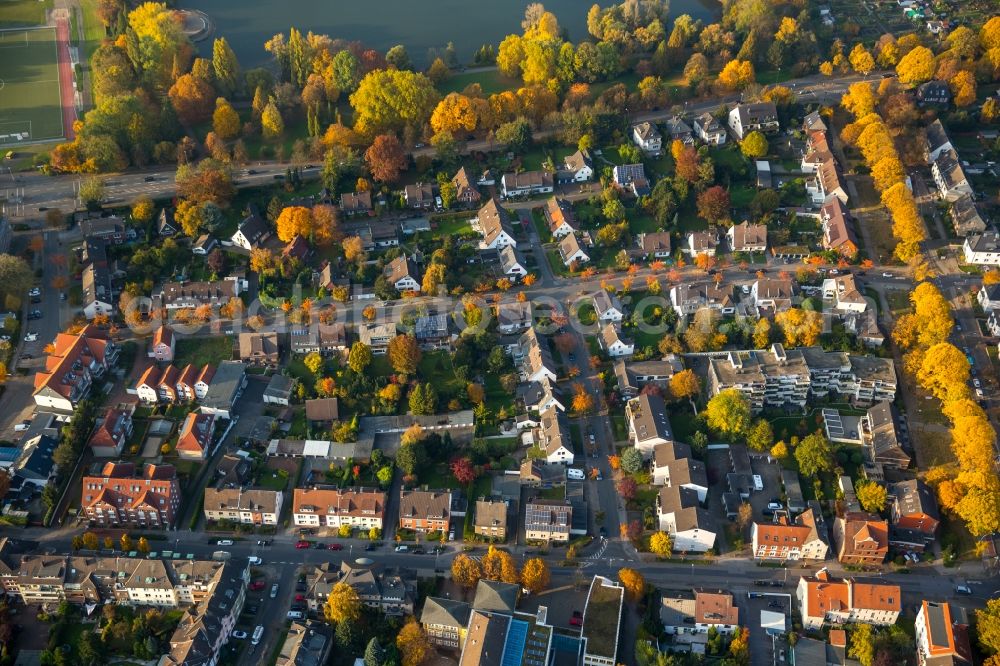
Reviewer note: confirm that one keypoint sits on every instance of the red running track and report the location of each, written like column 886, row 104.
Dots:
column 65, row 67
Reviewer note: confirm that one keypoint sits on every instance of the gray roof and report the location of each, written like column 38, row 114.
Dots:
column 225, row 384
column 492, row 595
column 688, row 513
column 445, row 612
column 280, row 386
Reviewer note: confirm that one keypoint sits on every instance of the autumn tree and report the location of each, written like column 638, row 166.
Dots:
column 713, row 204
column 633, row 583
column 814, row 455
column 760, row 437
column 535, row 575
column 917, row 66
column 142, row 545
column 728, row 413
column 392, row 99
column 271, row 122
column 872, row 496
column 463, row 470
column 737, row 75
column 754, row 145
column 861, row 60
column 225, row 120
column 944, row 371
column 500, row 565
column 963, row 88
column 466, row 571
column 404, row 354
column 413, row 645
column 192, row 99
column 294, row 221
column 862, row 645
column 359, row 357
column 583, row 401
column 660, row 544
column 386, row 158
column 342, row 604
column 799, row 326
column 143, row 209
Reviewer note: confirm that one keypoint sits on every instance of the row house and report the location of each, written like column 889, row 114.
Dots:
column 937, row 141
column 172, row 385
column 526, row 184
column 949, row 176
column 425, row 510
column 325, row 339
column 681, row 515
column 361, row 508
column 913, row 516
column 540, row 396
column 98, row 291
column 663, row 456
column 118, row 494
column 107, row 230
column 445, row 621
column 790, row 541
column 391, row 591
column 494, row 224
column 838, row 232
column 825, row 183
column 553, row 438
column 533, row 358
column 753, row 117
column 71, row 368
column 982, row 249
column 252, row 506
column 824, row 599
column 190, row 295
column 194, row 439
column 683, row 471
column 965, row 216
column 205, row 629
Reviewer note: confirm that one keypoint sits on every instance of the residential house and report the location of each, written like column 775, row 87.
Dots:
column 683, row 472
column 203, row 245
column 194, row 439
column 402, row 274
column 322, row 411
column 71, row 367
column 325, row 339
column 825, row 183
column 466, row 192
column 547, row 520
column 445, row 622
column 949, row 176
column 227, row 384
column 110, row 436
column 648, row 423
column 613, row 342
column 701, row 242
column 937, row 141
column 297, row 249
column 252, row 232
column 813, row 122
column 526, row 184
column 680, row 514
column 536, row 473
column 789, row 541
column 861, row 538
column 163, row 344
column 602, row 614
column 982, row 249
column 533, row 357
column 431, row 332
column 391, row 591
column 843, row 295
column 664, row 454
column 187, row 383
column 204, row 381
column 377, row 336
column 764, row 180
column 647, row 137
column 577, row 168
column 687, row 299
column 305, row 644
column 631, row 177
column 824, row 599
column 98, row 293
column 679, row 130
column 328, row 506
column 166, row 225
column 540, row 396
column 655, row 245
column 746, row 237
column 554, row 439
column 688, row 617
column 494, row 224
column 425, row 510
column 511, row 264
column 571, row 252
column 965, row 216
column 709, row 129
column 252, row 506
column 117, row 494
column 817, row 151
column 942, row 635
column 419, row 196
column 754, row 117
column 838, row 233
column 356, row 203
column 491, row 519
column 934, row 92
column 913, row 516
column 632, row 376
column 513, row 317
column 259, row 348
column 107, row 230
column 772, row 294
column 880, row 438
column 559, row 217
column 279, row 390
column 379, row 234
column 989, row 297
column 607, row 306
column 189, row 295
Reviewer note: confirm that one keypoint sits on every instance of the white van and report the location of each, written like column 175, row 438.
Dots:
column 575, row 474
column 257, row 633
column 225, row 542
column 294, row 615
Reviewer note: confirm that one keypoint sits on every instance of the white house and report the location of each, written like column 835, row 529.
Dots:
column 937, row 141
column 989, row 297
column 252, row 231
column 949, row 176
column 709, row 130
column 554, row 439
column 746, row 237
column 648, row 423
column 647, row 137
column 982, row 249
column 843, row 292
column 680, row 515
column 613, row 343
column 824, row 599
column 701, row 242
column 402, row 274
column 571, row 251
column 578, row 168
column 97, row 293
column 559, row 217
column 607, row 306
column 511, row 264
column 758, row 116
column 494, row 225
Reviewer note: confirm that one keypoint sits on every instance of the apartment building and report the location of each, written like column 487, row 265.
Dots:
column 547, row 520
column 826, row 600
column 942, row 635
column 861, row 538
column 253, row 506
column 491, row 519
column 648, row 423
column 680, row 514
column 602, row 614
column 321, row 506
column 688, row 615
column 424, row 510
column 389, row 590
column 913, row 516
column 118, row 494
column 71, row 368
column 790, row 540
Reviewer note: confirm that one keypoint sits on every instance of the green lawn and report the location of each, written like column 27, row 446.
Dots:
column 199, row 351
column 18, row 13
column 31, row 107
column 93, row 29
column 491, row 81
column 436, row 368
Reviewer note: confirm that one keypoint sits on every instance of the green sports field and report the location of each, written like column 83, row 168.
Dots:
column 30, row 102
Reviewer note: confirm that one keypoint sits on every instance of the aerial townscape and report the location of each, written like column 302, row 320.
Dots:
column 415, row 334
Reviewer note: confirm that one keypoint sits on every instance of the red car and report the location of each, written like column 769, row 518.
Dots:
column 577, row 619
column 300, row 597
column 335, row 546
column 257, row 585
column 302, row 544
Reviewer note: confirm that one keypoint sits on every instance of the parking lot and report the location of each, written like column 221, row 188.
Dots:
column 763, row 610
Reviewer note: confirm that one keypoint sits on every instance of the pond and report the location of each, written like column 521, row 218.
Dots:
column 420, row 25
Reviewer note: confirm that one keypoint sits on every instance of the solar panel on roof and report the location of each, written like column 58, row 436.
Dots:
column 513, row 648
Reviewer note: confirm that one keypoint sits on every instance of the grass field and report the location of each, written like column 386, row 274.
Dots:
column 30, row 105
column 20, row 13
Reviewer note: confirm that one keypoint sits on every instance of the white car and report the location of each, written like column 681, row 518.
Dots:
column 274, row 591
column 256, row 561
column 402, row 549
column 294, row 615
column 239, row 634
column 575, row 474
column 35, row 291
column 774, row 506
column 31, row 337
column 887, row 275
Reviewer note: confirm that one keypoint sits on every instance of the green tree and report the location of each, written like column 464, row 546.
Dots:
column 359, row 357
column 15, row 275
column 631, row 460
column 872, row 496
column 374, row 653
column 228, row 73
column 398, row 57
column 390, row 100
column 760, row 437
column 862, row 645
column 515, row 135
column 92, row 191
column 728, row 413
column 410, row 457
column 754, row 145
column 814, row 455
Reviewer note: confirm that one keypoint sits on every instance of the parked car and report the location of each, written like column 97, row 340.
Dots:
column 31, row 337
column 300, row 597
column 257, row 585
column 239, row 634
column 302, row 544
column 402, row 549
column 35, row 291
column 294, row 615
column 577, row 619
column 963, row 589
column 255, row 561
column 225, row 542
column 773, row 506
column 335, row 546
column 274, row 591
